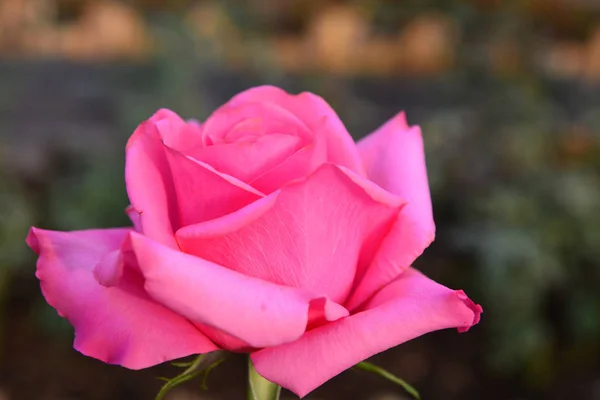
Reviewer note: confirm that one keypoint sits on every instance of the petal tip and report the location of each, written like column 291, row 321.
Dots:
column 139, row 132
column 400, row 123
column 475, row 308
column 32, row 240
column 401, row 120
column 164, row 113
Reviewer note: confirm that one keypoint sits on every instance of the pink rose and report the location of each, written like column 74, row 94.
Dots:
column 265, row 229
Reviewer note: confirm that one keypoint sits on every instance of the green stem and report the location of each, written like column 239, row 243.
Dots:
column 367, row 366
column 259, row 388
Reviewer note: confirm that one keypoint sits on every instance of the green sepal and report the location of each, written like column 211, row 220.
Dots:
column 204, row 363
column 182, row 364
column 208, row 371
column 366, row 366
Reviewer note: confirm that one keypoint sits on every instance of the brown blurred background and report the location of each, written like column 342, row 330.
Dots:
column 508, row 96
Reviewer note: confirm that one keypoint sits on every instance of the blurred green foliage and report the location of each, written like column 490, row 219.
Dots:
column 526, row 193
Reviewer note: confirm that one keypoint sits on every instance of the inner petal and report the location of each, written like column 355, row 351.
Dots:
column 248, row 130
column 175, row 132
column 250, row 158
column 257, row 118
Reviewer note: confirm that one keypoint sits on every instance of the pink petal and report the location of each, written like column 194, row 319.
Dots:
column 395, row 160
column 149, row 184
column 300, row 164
column 204, row 193
column 258, row 312
column 117, row 325
column 307, row 235
column 311, row 109
column 175, row 132
column 233, row 122
column 321, row 310
column 247, row 160
column 109, row 270
column 225, row 340
column 134, row 216
column 411, row 306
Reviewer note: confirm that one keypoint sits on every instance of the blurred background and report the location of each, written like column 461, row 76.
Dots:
column 508, row 96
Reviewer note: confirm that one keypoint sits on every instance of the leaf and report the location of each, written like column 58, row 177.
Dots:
column 259, row 388
column 366, row 366
column 202, row 363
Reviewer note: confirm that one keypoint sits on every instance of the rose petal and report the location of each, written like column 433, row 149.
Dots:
column 311, row 109
column 407, row 308
column 150, row 185
column 247, row 160
column 323, row 310
column 134, row 216
column 300, row 164
column 395, row 160
column 307, row 235
column 117, row 325
column 175, row 132
column 225, row 340
column 258, row 312
column 204, row 193
column 230, row 123
column 247, row 141
column 112, row 267
column 109, row 270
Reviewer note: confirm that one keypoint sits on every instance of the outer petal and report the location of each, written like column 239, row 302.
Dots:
column 395, row 160
column 321, row 310
column 149, row 184
column 118, row 325
column 259, row 313
column 407, row 308
column 317, row 227
column 204, row 193
column 311, row 109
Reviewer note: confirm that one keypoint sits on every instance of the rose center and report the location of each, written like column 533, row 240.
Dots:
column 247, row 131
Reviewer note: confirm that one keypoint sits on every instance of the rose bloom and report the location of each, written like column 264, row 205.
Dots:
column 265, row 230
